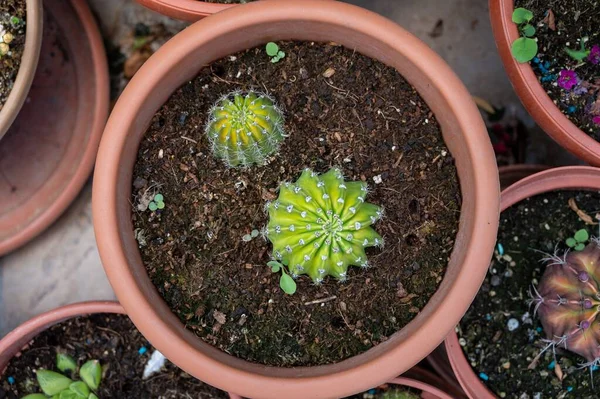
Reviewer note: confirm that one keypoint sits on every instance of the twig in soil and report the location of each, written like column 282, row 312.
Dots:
column 346, row 92
column 317, row 301
column 189, row 139
column 398, row 161
column 587, row 219
column 110, row 331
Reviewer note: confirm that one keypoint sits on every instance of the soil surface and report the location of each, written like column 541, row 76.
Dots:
column 388, row 391
column 364, row 118
column 12, row 22
column 117, row 344
column 569, row 23
column 505, row 358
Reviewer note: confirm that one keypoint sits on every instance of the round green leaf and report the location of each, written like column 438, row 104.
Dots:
column 68, row 394
column 52, row 382
column 91, row 373
column 274, row 265
column 246, row 238
column 571, row 242
column 254, row 233
column 280, row 54
column 521, row 15
column 152, row 206
column 524, row 49
column 579, row 247
column 528, row 30
column 577, row 55
column 158, row 197
column 272, row 49
column 35, row 396
column 65, row 362
column 160, row 205
column 80, row 389
column 581, row 235
column 287, row 284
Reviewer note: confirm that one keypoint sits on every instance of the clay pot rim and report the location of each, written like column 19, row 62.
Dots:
column 562, row 178
column 185, row 10
column 422, row 386
column 86, row 164
column 29, row 62
column 154, row 318
column 532, row 94
column 43, row 321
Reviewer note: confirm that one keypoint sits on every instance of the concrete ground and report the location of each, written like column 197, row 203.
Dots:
column 62, row 265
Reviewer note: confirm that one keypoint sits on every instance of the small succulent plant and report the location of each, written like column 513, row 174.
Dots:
column 245, row 129
column 525, row 47
column 321, row 224
column 567, row 301
column 58, row 386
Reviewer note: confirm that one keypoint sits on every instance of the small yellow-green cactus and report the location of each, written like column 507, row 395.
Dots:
column 245, row 129
column 321, row 224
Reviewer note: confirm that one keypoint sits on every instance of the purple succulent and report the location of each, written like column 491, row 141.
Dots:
column 596, row 120
column 594, row 56
column 567, row 79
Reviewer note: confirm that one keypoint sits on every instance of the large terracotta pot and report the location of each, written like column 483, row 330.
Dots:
column 532, row 94
column 243, row 27
column 17, row 339
column 564, row 178
column 29, row 62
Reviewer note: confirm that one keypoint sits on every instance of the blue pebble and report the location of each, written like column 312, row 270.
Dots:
column 11, row 380
column 569, row 389
column 484, row 376
column 539, row 329
column 571, row 109
column 536, row 60
column 594, row 368
column 551, row 365
column 488, row 317
column 500, row 249
column 372, row 391
column 142, row 350
column 546, row 65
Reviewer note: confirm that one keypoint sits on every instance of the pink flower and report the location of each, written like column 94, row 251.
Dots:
column 594, row 56
column 596, row 120
column 567, row 79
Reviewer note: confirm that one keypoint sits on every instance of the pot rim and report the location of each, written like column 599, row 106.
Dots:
column 533, row 96
column 185, row 10
column 29, row 62
column 420, row 385
column 383, row 362
column 561, row 178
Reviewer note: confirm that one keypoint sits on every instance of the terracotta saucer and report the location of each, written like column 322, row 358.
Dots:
column 49, row 151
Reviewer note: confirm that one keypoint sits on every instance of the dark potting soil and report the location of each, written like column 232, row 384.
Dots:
column 573, row 20
column 12, row 22
column 115, row 342
column 367, row 120
column 505, row 358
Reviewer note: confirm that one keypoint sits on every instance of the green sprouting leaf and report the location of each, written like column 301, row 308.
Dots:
column 272, row 49
column 521, row 15
column 274, row 265
column 68, row 394
column 247, row 237
column 528, row 30
column 571, row 242
column 160, row 205
column 152, row 206
column 579, row 247
column 287, row 284
column 52, row 382
column 254, row 233
column 280, row 54
column 581, row 236
column 524, row 49
column 91, row 373
column 92, row 396
column 275, row 60
column 578, row 55
column 80, row 388
column 15, row 20
column 65, row 362
column 35, row 396
column 159, row 198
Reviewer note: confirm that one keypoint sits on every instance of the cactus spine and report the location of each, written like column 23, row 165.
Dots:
column 321, row 224
column 245, row 129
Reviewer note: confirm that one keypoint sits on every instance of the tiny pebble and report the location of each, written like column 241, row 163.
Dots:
column 545, row 201
column 551, row 365
column 492, row 293
column 488, row 317
column 508, row 273
column 462, row 342
column 377, row 179
column 543, row 374
column 495, row 281
column 503, row 394
column 142, row 350
column 512, row 324
column 569, row 389
column 160, row 153
column 484, row 376
column 546, row 226
column 539, row 329
column 506, row 365
column 500, row 249
column 11, row 380
column 515, row 238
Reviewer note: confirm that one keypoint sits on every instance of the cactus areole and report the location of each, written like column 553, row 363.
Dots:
column 321, row 224
column 245, row 128
column 567, row 301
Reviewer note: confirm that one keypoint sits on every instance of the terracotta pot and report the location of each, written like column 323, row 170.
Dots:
column 438, row 360
column 421, row 374
column 46, row 157
column 532, row 94
column 564, row 178
column 29, row 62
column 427, row 391
column 17, row 339
column 513, row 173
column 243, row 27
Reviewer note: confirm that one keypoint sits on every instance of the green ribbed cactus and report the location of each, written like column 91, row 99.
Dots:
column 245, row 129
column 320, row 225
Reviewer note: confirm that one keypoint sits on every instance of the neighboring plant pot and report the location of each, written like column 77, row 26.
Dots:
column 563, row 178
column 451, row 388
column 535, row 99
column 427, row 391
column 29, row 62
column 16, row 340
column 244, row 27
